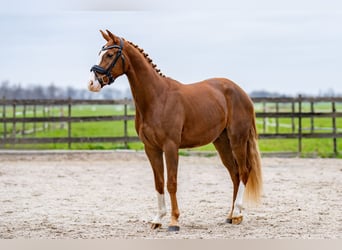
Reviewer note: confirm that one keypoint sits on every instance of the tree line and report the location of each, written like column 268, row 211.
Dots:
column 51, row 91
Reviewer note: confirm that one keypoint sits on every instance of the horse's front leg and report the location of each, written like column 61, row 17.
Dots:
column 156, row 159
column 171, row 158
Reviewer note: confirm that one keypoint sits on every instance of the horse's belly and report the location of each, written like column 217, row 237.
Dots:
column 199, row 136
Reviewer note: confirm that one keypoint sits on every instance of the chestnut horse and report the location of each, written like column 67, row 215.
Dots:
column 171, row 115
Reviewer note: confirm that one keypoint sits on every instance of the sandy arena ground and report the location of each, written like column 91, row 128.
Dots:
column 98, row 195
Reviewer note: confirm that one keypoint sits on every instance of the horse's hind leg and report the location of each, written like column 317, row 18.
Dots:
column 238, row 144
column 222, row 145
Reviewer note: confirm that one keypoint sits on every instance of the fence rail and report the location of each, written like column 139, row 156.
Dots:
column 266, row 109
column 12, row 138
column 299, row 114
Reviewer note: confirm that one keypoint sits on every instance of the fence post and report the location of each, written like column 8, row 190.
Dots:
column 300, row 124
column 49, row 126
column 23, row 125
column 5, row 123
column 35, row 116
column 312, row 117
column 125, row 124
column 277, row 119
column 264, row 120
column 334, row 127
column 69, row 123
column 44, row 115
column 292, row 119
column 14, row 127
column 61, row 114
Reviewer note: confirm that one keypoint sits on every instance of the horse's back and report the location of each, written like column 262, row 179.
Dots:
column 229, row 88
column 212, row 105
column 222, row 93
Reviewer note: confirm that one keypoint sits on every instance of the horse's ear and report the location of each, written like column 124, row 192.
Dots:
column 105, row 36
column 110, row 34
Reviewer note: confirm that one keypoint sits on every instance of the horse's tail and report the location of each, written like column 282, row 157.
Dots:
column 254, row 182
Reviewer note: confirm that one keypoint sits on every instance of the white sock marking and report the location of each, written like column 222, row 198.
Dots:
column 238, row 205
column 161, row 209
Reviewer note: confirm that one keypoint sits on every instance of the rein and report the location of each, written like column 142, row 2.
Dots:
column 98, row 69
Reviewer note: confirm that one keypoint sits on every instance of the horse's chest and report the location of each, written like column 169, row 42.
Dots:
column 157, row 134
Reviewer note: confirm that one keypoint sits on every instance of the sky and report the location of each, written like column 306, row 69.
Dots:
column 290, row 47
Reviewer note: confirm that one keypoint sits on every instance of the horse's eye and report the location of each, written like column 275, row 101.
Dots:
column 109, row 55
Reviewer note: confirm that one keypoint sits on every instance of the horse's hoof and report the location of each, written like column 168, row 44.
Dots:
column 173, row 228
column 229, row 220
column 156, row 226
column 237, row 220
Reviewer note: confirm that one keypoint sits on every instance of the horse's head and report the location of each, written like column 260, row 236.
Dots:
column 111, row 63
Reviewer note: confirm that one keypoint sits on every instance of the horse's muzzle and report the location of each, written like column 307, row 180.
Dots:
column 94, row 86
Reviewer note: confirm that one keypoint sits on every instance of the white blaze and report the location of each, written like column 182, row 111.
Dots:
column 100, row 57
column 93, row 84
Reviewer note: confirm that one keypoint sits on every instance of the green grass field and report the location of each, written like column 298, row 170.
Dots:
column 316, row 147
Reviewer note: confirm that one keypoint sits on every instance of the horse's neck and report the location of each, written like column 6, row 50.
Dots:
column 147, row 85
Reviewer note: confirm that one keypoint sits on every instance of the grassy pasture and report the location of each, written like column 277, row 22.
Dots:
column 319, row 147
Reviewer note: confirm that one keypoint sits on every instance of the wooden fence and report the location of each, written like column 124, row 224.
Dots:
column 275, row 109
column 12, row 138
column 297, row 113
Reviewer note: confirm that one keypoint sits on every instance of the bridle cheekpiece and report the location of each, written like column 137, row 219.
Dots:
column 98, row 69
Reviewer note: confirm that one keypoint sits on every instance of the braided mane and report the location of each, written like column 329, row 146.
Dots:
column 147, row 58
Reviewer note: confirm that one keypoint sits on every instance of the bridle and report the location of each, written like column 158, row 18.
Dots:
column 98, row 69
